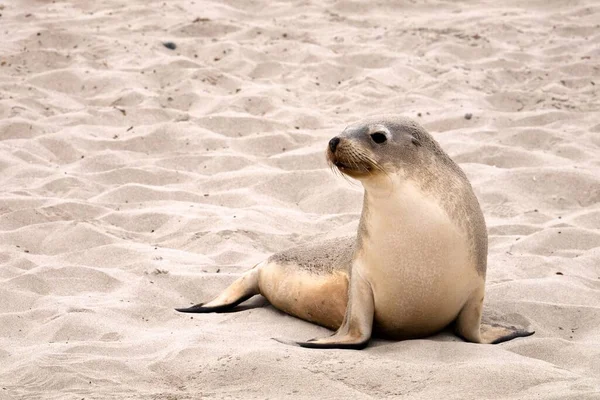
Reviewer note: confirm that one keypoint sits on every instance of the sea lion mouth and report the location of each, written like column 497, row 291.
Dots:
column 354, row 168
column 352, row 163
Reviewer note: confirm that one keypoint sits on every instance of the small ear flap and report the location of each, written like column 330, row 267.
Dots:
column 415, row 141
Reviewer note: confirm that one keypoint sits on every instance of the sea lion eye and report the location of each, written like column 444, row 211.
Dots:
column 378, row 137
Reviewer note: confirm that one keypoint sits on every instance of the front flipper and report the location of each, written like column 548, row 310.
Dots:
column 493, row 328
column 239, row 291
column 496, row 333
column 497, row 327
column 347, row 342
column 355, row 331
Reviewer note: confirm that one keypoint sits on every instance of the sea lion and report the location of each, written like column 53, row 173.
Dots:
column 417, row 263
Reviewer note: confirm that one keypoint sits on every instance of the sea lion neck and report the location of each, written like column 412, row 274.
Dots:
column 383, row 185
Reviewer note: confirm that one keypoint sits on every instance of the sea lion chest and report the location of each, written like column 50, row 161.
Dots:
column 416, row 260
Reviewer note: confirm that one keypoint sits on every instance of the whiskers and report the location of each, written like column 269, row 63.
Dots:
column 336, row 171
column 355, row 162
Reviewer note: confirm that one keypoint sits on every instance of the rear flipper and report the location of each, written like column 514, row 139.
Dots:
column 239, row 291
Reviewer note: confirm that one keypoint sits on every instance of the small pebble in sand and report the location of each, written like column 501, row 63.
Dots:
column 170, row 45
column 468, row 116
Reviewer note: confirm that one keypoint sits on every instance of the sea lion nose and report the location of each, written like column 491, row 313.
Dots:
column 333, row 144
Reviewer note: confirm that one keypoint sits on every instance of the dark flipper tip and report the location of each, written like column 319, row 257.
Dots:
column 198, row 308
column 202, row 309
column 343, row 346
column 313, row 345
column 513, row 335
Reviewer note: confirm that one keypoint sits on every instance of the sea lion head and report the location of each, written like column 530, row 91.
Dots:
column 376, row 146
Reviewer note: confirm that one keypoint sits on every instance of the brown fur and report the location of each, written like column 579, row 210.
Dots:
column 319, row 258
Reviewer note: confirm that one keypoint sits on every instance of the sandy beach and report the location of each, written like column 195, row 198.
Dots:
column 151, row 151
